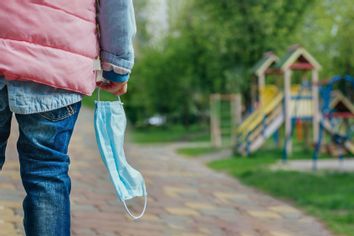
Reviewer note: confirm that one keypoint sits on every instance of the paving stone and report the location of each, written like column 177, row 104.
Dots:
column 151, row 217
column 5, row 211
column 205, row 230
column 227, row 197
column 280, row 234
column 193, row 234
column 182, row 211
column 198, row 206
column 264, row 214
column 88, row 232
column 7, row 229
column 11, row 204
column 284, row 209
column 5, row 186
column 245, row 234
column 176, row 191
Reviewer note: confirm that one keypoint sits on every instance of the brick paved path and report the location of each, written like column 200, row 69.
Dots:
column 185, row 198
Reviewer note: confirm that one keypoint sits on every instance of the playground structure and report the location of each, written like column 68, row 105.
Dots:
column 233, row 117
column 337, row 113
column 296, row 105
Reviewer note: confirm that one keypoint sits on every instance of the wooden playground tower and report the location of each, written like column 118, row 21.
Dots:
column 277, row 106
column 297, row 59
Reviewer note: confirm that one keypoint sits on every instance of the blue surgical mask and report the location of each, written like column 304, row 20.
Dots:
column 110, row 124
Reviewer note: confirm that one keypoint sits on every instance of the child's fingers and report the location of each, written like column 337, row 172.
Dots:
column 104, row 85
column 119, row 91
column 122, row 90
column 114, row 88
column 110, row 90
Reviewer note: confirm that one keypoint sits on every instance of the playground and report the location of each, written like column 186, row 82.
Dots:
column 290, row 103
column 295, row 138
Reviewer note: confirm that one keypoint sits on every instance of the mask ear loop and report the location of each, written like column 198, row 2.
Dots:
column 119, row 100
column 142, row 213
column 99, row 94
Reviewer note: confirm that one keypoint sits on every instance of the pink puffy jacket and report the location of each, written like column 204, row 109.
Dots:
column 35, row 47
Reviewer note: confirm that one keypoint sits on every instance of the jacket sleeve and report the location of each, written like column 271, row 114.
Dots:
column 117, row 26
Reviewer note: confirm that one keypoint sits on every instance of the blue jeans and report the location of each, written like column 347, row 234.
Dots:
column 42, row 147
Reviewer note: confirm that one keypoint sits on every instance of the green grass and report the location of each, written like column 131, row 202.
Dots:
column 239, row 166
column 197, row 151
column 172, row 133
column 329, row 196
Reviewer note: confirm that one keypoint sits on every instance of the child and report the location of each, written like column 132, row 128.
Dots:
column 49, row 50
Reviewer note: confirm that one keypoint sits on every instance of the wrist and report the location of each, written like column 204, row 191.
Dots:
column 114, row 77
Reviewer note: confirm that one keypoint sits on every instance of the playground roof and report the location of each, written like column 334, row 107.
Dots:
column 268, row 59
column 298, row 58
column 342, row 101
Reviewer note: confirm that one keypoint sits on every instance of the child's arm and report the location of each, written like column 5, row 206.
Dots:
column 116, row 20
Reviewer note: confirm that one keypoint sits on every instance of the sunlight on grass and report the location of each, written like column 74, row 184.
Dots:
column 172, row 133
column 326, row 195
column 197, row 151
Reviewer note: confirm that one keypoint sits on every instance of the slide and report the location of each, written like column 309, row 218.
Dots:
column 339, row 97
column 348, row 144
column 262, row 123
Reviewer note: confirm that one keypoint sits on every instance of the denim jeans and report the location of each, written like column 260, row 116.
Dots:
column 44, row 163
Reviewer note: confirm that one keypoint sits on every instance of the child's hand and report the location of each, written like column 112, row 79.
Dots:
column 115, row 88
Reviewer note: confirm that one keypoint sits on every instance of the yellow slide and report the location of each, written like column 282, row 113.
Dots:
column 263, row 122
column 270, row 98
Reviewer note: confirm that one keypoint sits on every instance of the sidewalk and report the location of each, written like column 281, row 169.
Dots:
column 185, row 197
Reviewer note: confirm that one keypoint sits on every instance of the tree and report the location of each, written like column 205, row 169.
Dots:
column 329, row 31
column 212, row 48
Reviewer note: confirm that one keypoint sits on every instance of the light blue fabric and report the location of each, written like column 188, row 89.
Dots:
column 117, row 31
column 110, row 124
column 26, row 97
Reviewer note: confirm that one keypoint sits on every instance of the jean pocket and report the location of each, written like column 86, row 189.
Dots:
column 61, row 113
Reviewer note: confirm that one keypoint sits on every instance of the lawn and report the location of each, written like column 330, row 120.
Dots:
column 329, row 196
column 197, row 151
column 171, row 133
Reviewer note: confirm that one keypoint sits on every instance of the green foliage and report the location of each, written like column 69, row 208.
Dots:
column 172, row 133
column 328, row 32
column 210, row 49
